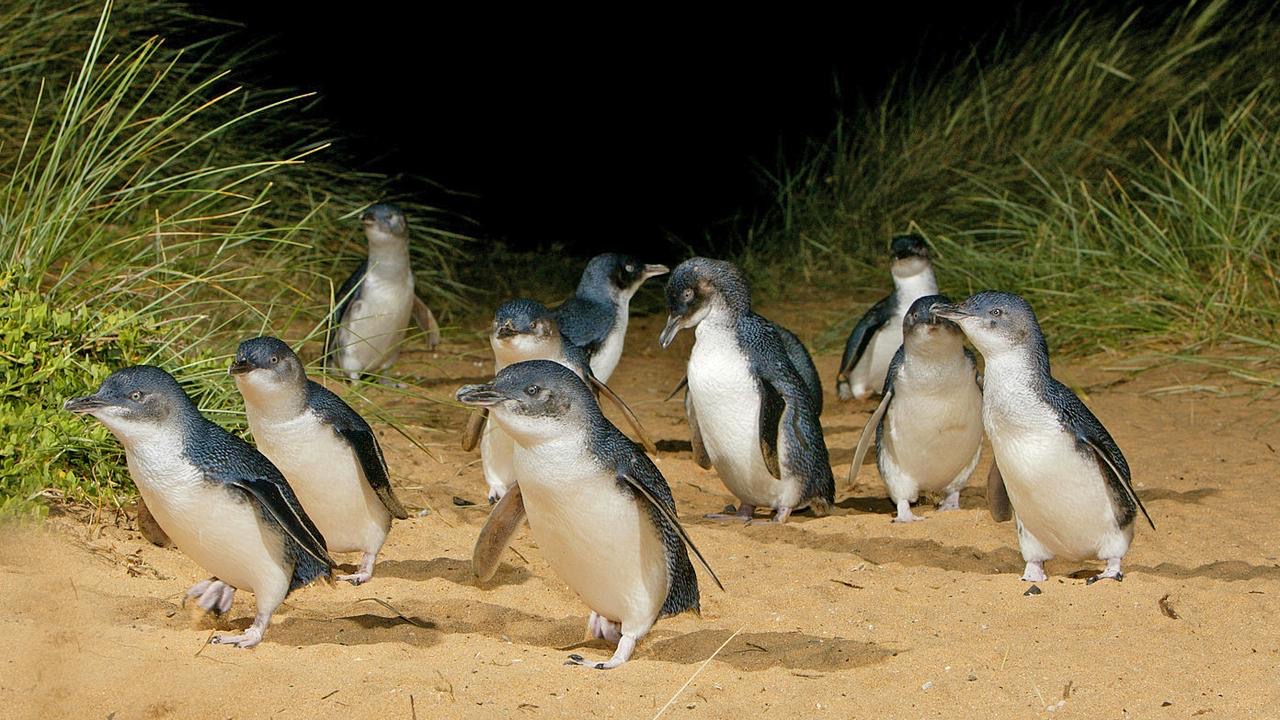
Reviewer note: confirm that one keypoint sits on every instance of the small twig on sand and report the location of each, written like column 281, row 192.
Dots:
column 413, row 710
column 697, row 672
column 205, row 644
column 392, row 608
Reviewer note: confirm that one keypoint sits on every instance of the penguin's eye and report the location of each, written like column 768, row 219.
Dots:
column 687, row 294
column 631, row 267
column 136, row 395
column 996, row 312
column 274, row 359
column 532, row 390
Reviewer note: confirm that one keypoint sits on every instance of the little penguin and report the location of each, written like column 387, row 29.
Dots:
column 928, row 427
column 599, row 509
column 755, row 413
column 220, row 501
column 595, row 318
column 1068, row 482
column 377, row 300
column 327, row 452
column 877, row 336
column 525, row 329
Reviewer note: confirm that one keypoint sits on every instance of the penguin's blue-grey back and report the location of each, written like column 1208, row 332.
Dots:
column 803, row 363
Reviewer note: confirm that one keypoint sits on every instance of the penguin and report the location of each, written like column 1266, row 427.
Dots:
column 598, row 508
column 1067, row 480
column 525, row 329
column 876, row 337
column 928, row 426
column 220, row 501
column 595, row 318
column 327, row 452
column 755, row 414
column 377, row 300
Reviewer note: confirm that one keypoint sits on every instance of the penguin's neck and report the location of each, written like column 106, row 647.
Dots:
column 274, row 403
column 935, row 361
column 518, row 348
column 388, row 260
column 721, row 320
column 911, row 287
column 1013, row 384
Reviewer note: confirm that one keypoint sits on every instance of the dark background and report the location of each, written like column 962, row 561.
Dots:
column 597, row 132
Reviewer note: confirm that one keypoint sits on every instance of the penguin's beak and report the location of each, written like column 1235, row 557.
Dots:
column 950, row 312
column 674, row 324
column 82, row 405
column 654, row 271
column 505, row 331
column 240, row 366
column 479, row 395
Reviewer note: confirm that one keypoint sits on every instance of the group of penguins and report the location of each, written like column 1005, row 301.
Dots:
column 599, row 509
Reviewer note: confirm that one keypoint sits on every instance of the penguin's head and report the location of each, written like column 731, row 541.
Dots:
column 996, row 322
column 910, row 255
column 698, row 286
column 136, row 402
column 923, row 328
column 384, row 223
column 617, row 275
column 534, row 401
column 523, row 329
column 265, row 367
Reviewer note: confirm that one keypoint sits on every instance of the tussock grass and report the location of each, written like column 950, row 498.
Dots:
column 1121, row 171
column 154, row 199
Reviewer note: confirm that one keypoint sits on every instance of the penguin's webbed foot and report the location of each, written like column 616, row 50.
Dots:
column 248, row 639
column 781, row 515
column 904, row 513
column 604, row 628
column 364, row 572
column 950, row 502
column 212, row 595
column 1112, row 572
column 1034, row 572
column 357, row 578
column 626, row 646
column 742, row 514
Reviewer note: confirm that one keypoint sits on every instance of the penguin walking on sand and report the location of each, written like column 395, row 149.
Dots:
column 754, row 412
column 876, row 337
column 595, row 318
column 1067, row 480
column 327, row 452
column 525, row 329
column 928, row 427
column 599, row 509
column 377, row 300
column 220, row 501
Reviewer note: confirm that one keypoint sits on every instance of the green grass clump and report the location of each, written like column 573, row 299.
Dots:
column 1122, row 172
column 152, row 210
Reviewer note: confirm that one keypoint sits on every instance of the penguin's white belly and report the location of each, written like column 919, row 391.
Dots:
column 598, row 539
column 328, row 480
column 1057, row 492
column 873, row 367
column 930, row 438
column 607, row 356
column 375, row 323
column 219, row 527
column 726, row 398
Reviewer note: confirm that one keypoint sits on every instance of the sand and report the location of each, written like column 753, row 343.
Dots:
column 843, row 616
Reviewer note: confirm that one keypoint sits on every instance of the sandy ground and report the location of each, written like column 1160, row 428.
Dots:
column 843, row 616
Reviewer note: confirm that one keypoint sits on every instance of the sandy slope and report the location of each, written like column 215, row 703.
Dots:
column 844, row 616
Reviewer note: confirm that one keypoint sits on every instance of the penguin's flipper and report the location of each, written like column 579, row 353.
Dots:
column 700, row 454
column 636, row 478
column 632, row 420
column 997, row 496
column 1113, row 464
column 869, row 434
column 684, row 383
column 352, row 428
column 427, row 321
column 347, row 294
column 860, row 338
column 275, row 496
column 802, row 363
column 772, row 408
column 504, row 520
column 475, row 426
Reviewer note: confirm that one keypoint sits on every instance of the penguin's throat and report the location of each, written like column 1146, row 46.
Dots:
column 272, row 401
column 912, row 282
column 388, row 259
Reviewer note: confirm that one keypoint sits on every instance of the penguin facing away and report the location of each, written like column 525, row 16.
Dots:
column 876, row 337
column 928, row 427
column 599, row 509
column 525, row 329
column 1067, row 480
column 326, row 451
column 221, row 502
column 376, row 302
column 755, row 414
column 595, row 318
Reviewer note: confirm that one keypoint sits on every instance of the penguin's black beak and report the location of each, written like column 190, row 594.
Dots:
column 654, row 271
column 674, row 325
column 82, row 405
column 950, row 312
column 240, row 366
column 506, row 330
column 479, row 395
